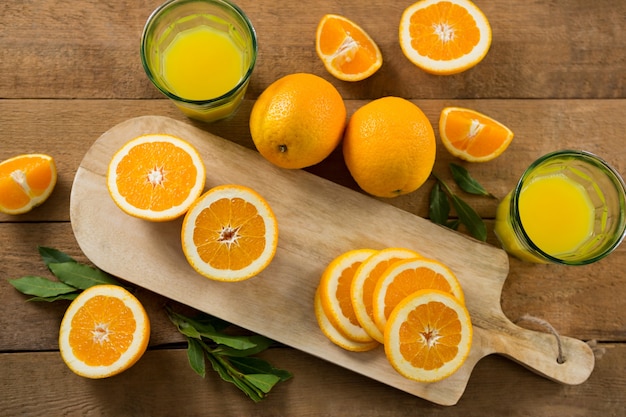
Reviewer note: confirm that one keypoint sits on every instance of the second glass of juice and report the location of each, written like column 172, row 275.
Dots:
column 569, row 207
column 200, row 54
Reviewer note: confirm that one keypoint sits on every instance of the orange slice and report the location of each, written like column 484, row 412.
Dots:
column 334, row 335
column 472, row 136
column 104, row 331
column 404, row 278
column 346, row 50
column 156, row 177
column 364, row 282
column 230, row 233
column 428, row 336
column 444, row 36
column 26, row 181
column 334, row 290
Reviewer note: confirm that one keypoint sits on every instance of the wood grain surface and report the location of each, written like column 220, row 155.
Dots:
column 318, row 220
column 555, row 74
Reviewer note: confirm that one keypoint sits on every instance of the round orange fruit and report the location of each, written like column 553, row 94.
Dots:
column 346, row 50
column 230, row 233
column 389, row 147
column 298, row 121
column 156, row 177
column 428, row 336
column 444, row 37
column 104, row 331
column 26, row 181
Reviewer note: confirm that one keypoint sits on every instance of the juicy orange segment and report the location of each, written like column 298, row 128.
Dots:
column 26, row 181
column 334, row 335
column 156, row 177
column 428, row 336
column 444, row 36
column 230, row 233
column 334, row 289
column 104, row 331
column 473, row 136
column 364, row 282
column 346, row 50
column 407, row 276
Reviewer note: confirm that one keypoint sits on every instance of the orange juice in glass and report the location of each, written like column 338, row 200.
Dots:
column 567, row 208
column 200, row 54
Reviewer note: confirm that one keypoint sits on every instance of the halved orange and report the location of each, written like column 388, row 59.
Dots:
column 473, row 136
column 428, row 336
column 407, row 276
column 444, row 36
column 364, row 282
column 334, row 335
column 334, row 291
column 346, row 50
column 230, row 233
column 156, row 177
column 26, row 181
column 104, row 331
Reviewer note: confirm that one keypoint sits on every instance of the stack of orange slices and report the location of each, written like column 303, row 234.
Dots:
column 413, row 305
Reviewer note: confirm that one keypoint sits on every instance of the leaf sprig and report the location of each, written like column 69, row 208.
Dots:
column 73, row 277
column 229, row 355
column 441, row 196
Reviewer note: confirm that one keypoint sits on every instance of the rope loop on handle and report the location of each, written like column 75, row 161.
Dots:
column 560, row 359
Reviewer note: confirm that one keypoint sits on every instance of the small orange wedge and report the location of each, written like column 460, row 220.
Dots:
column 473, row 136
column 346, row 50
column 26, row 181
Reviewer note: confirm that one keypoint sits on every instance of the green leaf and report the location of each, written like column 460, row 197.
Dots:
column 260, row 344
column 470, row 219
column 41, row 287
column 69, row 296
column 195, row 355
column 466, row 182
column 253, row 365
column 53, row 256
column 229, row 374
column 439, row 208
column 80, row 276
column 264, row 382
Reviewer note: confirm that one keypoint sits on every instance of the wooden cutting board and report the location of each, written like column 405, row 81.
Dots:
column 318, row 220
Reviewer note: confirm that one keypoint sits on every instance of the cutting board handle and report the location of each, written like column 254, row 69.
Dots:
column 539, row 352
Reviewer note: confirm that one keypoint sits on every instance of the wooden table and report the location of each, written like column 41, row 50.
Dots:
column 555, row 74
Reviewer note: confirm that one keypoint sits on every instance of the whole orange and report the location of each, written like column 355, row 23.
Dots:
column 389, row 147
column 298, row 120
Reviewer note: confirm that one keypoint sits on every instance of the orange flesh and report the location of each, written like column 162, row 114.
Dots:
column 474, row 134
column 443, row 31
column 343, row 293
column 102, row 330
column 229, row 234
column 370, row 284
column 430, row 336
column 338, row 36
column 410, row 281
column 156, row 176
column 38, row 175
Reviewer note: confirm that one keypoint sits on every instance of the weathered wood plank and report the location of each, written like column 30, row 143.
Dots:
column 163, row 384
column 66, row 129
column 581, row 302
column 539, row 50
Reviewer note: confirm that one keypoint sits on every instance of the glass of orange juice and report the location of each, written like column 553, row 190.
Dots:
column 569, row 207
column 200, row 54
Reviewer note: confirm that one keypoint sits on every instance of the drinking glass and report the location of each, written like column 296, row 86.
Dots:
column 603, row 199
column 177, row 16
